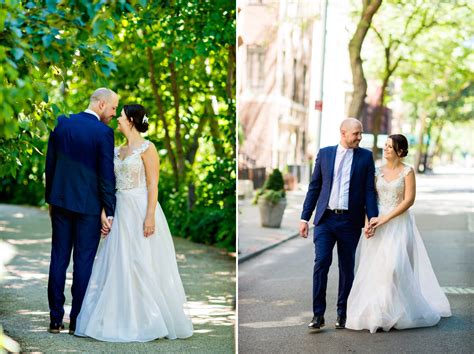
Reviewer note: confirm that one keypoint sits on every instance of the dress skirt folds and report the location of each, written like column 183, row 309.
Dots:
column 135, row 292
column 395, row 285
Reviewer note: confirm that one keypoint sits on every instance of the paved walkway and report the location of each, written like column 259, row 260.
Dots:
column 254, row 239
column 208, row 275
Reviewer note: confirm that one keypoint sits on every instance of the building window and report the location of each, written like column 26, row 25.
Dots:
column 255, row 66
column 295, row 81
column 283, row 74
column 303, row 95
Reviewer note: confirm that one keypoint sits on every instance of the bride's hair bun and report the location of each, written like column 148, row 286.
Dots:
column 135, row 113
column 400, row 144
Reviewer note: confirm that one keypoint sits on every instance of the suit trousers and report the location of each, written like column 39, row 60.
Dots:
column 334, row 229
column 78, row 232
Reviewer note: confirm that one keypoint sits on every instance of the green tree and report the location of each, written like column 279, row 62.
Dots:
column 403, row 28
column 174, row 57
column 369, row 8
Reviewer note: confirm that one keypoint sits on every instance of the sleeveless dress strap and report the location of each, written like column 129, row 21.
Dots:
column 143, row 147
column 377, row 172
column 406, row 170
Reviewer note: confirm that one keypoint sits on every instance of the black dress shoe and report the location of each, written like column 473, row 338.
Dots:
column 341, row 322
column 316, row 323
column 55, row 327
column 72, row 327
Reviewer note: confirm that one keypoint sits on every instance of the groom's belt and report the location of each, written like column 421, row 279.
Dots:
column 339, row 211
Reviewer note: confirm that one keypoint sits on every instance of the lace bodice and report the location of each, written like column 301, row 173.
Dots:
column 390, row 194
column 130, row 173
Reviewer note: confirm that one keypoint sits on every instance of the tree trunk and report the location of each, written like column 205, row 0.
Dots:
column 421, row 134
column 177, row 120
column 230, row 90
column 427, row 148
column 379, row 113
column 191, row 195
column 161, row 115
column 437, row 145
column 359, row 82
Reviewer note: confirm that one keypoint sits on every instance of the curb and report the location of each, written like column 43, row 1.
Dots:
column 242, row 259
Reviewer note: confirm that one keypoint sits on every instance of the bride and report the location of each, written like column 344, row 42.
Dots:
column 394, row 285
column 135, row 292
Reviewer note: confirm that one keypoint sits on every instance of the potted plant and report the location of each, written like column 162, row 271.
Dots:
column 271, row 200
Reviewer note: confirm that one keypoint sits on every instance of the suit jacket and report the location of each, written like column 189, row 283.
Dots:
column 79, row 165
column 362, row 195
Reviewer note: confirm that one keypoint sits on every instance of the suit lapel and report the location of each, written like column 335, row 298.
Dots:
column 331, row 162
column 355, row 157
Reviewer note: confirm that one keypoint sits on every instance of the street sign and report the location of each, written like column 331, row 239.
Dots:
column 318, row 105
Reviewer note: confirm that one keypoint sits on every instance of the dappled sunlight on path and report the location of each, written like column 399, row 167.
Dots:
column 208, row 276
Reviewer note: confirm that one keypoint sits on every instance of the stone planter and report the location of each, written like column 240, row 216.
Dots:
column 271, row 215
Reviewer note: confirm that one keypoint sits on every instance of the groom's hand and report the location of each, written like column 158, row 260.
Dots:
column 304, row 229
column 369, row 231
column 106, row 223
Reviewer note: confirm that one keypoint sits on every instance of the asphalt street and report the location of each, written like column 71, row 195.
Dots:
column 275, row 287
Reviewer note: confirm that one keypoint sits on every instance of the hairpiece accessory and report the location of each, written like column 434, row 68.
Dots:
column 145, row 119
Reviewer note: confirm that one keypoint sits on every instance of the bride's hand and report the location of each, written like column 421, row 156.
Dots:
column 149, row 226
column 376, row 222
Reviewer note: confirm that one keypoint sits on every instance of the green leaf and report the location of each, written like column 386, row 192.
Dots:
column 51, row 4
column 105, row 69
column 42, row 126
column 3, row 16
column 18, row 53
column 47, row 39
column 17, row 32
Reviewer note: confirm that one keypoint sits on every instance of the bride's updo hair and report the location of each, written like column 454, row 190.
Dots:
column 135, row 113
column 400, row 144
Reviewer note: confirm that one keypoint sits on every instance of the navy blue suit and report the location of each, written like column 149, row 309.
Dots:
column 80, row 181
column 343, row 229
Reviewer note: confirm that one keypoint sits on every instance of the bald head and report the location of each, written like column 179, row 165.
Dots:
column 350, row 123
column 104, row 102
column 102, row 93
column 351, row 133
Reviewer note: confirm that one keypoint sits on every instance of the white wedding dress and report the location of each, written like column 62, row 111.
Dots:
column 135, row 292
column 394, row 285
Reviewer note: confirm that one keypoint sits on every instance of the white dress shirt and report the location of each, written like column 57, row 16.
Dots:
column 90, row 111
column 339, row 198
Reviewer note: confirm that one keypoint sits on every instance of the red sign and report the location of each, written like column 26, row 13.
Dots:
column 318, row 105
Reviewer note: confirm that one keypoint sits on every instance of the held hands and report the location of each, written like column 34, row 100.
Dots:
column 106, row 224
column 149, row 226
column 369, row 231
column 375, row 222
column 379, row 221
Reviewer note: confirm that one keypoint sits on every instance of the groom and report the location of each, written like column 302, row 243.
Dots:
column 343, row 192
column 80, row 182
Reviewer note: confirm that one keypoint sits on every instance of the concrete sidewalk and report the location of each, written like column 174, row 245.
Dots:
column 208, row 276
column 254, row 239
